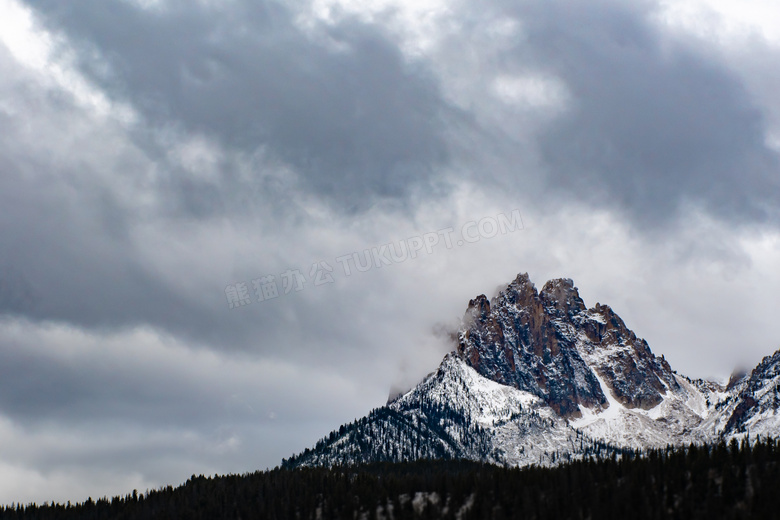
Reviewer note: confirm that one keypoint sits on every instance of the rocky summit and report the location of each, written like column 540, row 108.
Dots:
column 549, row 344
column 537, row 377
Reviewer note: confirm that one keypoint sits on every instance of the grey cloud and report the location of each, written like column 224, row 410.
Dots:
column 139, row 402
column 36, row 388
column 102, row 230
column 63, row 260
column 66, row 250
column 353, row 117
column 79, row 244
column 640, row 136
column 58, row 263
column 656, row 120
column 52, row 373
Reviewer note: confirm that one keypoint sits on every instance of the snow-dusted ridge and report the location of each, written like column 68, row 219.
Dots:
column 523, row 429
column 538, row 378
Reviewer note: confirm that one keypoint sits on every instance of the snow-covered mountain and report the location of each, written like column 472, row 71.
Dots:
column 538, row 378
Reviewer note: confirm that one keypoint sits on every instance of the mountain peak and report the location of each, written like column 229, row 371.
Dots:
column 563, row 283
column 479, row 306
column 561, row 295
column 551, row 345
column 769, row 366
column 520, row 291
column 515, row 342
column 537, row 376
column 758, row 399
column 522, row 279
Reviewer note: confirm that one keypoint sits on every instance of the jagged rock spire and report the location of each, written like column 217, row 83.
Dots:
column 537, row 376
column 550, row 344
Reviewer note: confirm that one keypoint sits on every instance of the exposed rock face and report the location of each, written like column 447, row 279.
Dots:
column 457, row 413
column 537, row 378
column 551, row 345
column 757, row 400
column 637, row 378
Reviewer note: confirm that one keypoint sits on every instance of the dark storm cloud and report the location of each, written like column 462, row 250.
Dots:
column 36, row 387
column 57, row 373
column 341, row 105
column 62, row 260
column 137, row 402
column 105, row 230
column 59, row 263
column 655, row 120
column 67, row 251
column 77, row 247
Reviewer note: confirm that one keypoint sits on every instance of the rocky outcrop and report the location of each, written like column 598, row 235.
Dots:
column 548, row 343
column 757, row 399
column 539, row 378
column 515, row 341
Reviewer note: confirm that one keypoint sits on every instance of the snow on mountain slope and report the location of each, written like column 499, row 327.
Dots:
column 613, row 387
column 456, row 413
column 537, row 378
column 679, row 418
column 756, row 401
column 523, row 429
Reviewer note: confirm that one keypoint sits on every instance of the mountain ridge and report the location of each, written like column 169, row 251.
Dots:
column 536, row 377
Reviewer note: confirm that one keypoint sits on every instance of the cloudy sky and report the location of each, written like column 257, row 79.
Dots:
column 161, row 159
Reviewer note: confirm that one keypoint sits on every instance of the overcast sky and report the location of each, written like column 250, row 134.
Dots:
column 160, row 159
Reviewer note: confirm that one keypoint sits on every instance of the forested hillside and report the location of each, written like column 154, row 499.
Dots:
column 734, row 481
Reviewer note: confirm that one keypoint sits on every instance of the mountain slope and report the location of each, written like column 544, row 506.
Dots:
column 536, row 378
column 756, row 401
column 455, row 413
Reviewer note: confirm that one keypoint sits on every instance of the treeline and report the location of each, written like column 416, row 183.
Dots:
column 387, row 435
column 720, row 481
column 433, row 432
